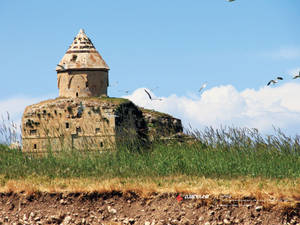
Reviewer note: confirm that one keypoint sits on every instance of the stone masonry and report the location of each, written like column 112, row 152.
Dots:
column 83, row 117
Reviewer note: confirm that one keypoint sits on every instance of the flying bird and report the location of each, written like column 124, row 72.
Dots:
column 125, row 91
column 274, row 81
column 297, row 76
column 114, row 84
column 202, row 87
column 153, row 89
column 151, row 96
column 230, row 0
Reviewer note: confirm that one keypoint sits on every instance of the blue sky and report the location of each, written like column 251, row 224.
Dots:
column 176, row 45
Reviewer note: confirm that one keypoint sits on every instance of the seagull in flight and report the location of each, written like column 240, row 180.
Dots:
column 151, row 96
column 202, row 87
column 279, row 78
column 274, row 81
column 297, row 76
column 125, row 91
column 230, row 0
column 114, row 84
column 153, row 89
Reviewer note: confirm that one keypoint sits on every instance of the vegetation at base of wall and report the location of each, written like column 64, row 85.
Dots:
column 108, row 99
column 156, row 113
column 213, row 153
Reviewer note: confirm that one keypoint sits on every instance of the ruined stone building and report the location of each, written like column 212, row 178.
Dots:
column 83, row 117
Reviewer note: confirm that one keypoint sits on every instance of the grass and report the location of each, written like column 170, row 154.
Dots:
column 160, row 161
column 226, row 160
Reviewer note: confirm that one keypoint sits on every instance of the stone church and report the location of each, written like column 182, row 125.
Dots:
column 83, row 117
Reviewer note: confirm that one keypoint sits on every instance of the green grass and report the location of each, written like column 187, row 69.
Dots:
column 224, row 153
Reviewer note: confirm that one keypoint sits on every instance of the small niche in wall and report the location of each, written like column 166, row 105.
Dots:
column 67, row 125
column 78, row 129
column 77, row 94
column 74, row 57
column 34, row 146
column 69, row 108
column 101, row 144
column 97, row 130
column 33, row 132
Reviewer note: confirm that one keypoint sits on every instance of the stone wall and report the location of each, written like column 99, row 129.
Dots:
column 161, row 124
column 92, row 123
column 81, row 123
column 83, row 83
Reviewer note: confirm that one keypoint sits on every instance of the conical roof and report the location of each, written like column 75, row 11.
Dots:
column 81, row 55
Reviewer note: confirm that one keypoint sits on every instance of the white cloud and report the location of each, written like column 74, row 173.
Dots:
column 224, row 105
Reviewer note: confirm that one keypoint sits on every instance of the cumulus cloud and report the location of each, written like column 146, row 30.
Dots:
column 264, row 109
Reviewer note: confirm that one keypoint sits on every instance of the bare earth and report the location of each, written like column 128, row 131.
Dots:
column 129, row 208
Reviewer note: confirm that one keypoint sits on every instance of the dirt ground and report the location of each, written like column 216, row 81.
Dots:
column 129, row 208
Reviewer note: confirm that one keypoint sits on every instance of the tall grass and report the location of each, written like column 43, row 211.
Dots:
column 9, row 131
column 215, row 153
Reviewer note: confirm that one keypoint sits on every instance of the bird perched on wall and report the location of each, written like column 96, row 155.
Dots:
column 151, row 96
column 297, row 76
column 61, row 66
column 274, row 81
column 202, row 87
column 112, row 115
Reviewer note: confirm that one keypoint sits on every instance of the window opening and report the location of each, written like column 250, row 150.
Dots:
column 32, row 132
column 74, row 57
column 78, row 129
